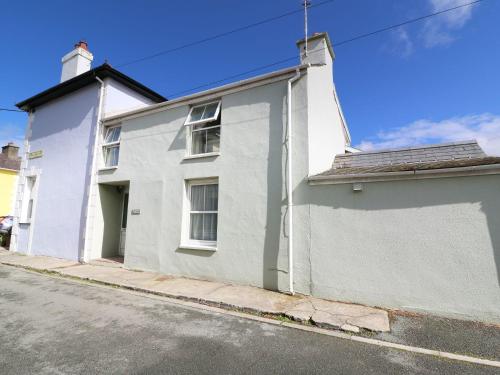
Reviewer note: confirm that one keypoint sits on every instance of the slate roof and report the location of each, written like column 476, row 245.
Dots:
column 6, row 163
column 103, row 71
column 442, row 156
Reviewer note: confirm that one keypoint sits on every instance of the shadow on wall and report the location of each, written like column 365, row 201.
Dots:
column 450, row 194
column 111, row 206
column 274, row 199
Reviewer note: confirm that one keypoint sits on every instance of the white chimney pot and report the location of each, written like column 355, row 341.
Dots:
column 76, row 62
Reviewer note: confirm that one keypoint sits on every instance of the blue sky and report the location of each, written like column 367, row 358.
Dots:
column 428, row 82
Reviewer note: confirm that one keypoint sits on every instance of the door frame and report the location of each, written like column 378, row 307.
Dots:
column 123, row 223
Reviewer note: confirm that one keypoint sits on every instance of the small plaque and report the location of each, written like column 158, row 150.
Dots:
column 35, row 154
column 135, row 211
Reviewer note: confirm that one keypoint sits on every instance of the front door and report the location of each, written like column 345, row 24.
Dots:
column 123, row 230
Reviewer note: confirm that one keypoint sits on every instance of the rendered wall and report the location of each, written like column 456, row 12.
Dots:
column 119, row 98
column 250, row 170
column 8, row 181
column 61, row 129
column 423, row 245
column 325, row 127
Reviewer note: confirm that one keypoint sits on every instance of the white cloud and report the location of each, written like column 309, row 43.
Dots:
column 403, row 41
column 485, row 128
column 438, row 30
column 10, row 132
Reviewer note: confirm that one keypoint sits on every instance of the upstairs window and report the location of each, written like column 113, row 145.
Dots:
column 111, row 146
column 203, row 113
column 204, row 128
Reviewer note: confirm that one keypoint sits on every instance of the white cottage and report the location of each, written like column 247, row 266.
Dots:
column 256, row 183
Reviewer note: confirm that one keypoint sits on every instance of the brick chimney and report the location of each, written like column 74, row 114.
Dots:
column 10, row 150
column 76, row 62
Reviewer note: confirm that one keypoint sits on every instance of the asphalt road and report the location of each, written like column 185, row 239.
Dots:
column 55, row 326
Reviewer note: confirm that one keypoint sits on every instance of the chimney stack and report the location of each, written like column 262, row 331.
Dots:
column 10, row 150
column 319, row 50
column 77, row 61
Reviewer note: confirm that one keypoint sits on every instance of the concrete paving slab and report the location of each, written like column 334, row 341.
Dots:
column 37, row 262
column 323, row 313
column 111, row 275
column 253, row 299
column 330, row 314
column 4, row 251
column 190, row 289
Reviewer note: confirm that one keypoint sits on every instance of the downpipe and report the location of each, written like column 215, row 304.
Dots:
column 290, row 180
column 84, row 255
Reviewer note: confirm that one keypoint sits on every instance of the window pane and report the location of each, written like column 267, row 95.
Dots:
column 213, row 139
column 30, row 209
column 111, row 156
column 196, row 113
column 210, row 227
column 196, row 230
column 211, row 197
column 197, row 197
column 113, row 134
column 199, row 142
column 210, row 110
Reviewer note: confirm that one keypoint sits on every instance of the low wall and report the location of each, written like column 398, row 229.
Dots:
column 423, row 245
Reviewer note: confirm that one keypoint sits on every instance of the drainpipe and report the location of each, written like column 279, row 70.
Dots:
column 85, row 257
column 290, row 180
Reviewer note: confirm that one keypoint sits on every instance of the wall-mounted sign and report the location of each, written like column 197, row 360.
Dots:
column 35, row 154
column 135, row 211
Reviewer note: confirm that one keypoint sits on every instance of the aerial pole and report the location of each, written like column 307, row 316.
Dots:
column 306, row 4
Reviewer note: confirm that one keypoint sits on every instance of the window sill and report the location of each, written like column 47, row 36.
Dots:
column 107, row 168
column 197, row 247
column 25, row 222
column 198, row 156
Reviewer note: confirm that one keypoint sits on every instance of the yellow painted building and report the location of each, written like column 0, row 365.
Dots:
column 9, row 170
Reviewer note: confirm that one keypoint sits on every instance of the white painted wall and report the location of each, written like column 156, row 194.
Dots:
column 119, row 98
column 325, row 129
column 423, row 245
column 62, row 130
column 326, row 135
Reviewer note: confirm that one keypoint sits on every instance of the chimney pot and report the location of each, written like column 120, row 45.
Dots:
column 82, row 44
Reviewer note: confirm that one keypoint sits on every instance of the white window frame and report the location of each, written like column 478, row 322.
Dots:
column 108, row 145
column 186, row 241
column 29, row 197
column 191, row 129
column 203, row 120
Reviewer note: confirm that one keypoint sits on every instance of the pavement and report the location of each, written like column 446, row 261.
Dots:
column 52, row 325
column 303, row 309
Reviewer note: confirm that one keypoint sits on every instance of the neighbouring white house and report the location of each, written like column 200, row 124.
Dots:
column 256, row 183
column 60, row 150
